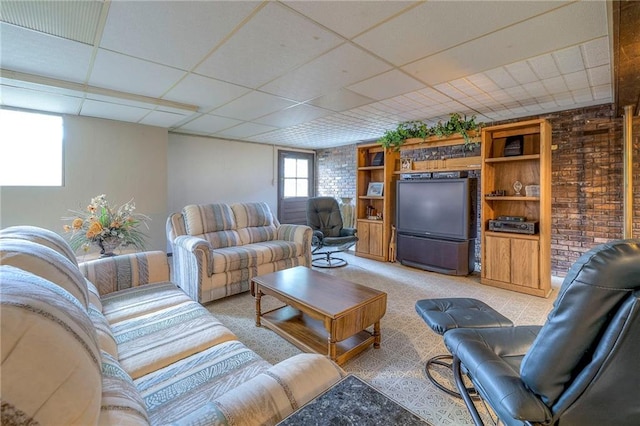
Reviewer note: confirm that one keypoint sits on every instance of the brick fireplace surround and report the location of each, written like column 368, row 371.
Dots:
column 586, row 179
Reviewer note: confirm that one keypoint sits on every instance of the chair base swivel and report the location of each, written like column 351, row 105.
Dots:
column 328, row 261
column 440, row 360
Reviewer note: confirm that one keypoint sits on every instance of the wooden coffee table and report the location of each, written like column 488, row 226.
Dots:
column 323, row 314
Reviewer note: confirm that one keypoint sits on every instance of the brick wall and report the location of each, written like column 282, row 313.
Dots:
column 586, row 179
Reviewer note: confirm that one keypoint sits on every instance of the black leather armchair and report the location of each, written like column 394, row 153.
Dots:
column 581, row 367
column 329, row 236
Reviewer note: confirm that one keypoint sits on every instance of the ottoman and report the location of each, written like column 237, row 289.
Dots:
column 447, row 313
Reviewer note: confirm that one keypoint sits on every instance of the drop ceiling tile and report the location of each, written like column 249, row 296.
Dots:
column 205, row 92
column 208, row 124
column 386, row 85
column 577, row 80
column 600, row 75
column 535, row 89
column 264, row 48
column 162, row 119
column 544, row 66
column 569, row 60
column 596, row 52
column 291, row 116
column 19, row 97
column 426, row 30
column 536, row 36
column 340, row 100
column 483, row 82
column 517, row 93
column 603, row 92
column 521, row 72
column 245, row 130
column 91, row 108
column 252, row 106
column 40, row 54
column 340, row 67
column 582, row 95
column 564, row 99
column 175, row 33
column 126, row 74
column 501, row 77
column 74, row 20
column 349, row 18
column 555, row 85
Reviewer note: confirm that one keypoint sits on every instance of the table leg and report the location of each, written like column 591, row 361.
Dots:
column 376, row 335
column 258, row 310
column 332, row 348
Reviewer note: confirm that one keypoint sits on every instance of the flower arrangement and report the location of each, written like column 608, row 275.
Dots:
column 106, row 226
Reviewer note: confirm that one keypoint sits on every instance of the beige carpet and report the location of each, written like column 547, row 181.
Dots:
column 396, row 369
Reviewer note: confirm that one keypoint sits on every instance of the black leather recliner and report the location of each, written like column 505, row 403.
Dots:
column 582, row 367
column 329, row 236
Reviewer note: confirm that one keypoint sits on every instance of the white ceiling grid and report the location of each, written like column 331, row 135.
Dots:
column 306, row 74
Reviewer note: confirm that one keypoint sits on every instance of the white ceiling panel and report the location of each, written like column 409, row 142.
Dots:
column 253, row 105
column 514, row 43
column 428, row 29
column 36, row 53
column 25, row 98
column 387, row 85
column 162, row 119
column 307, row 74
column 204, row 91
column 126, row 74
column 295, row 115
column 245, row 130
column 349, row 18
column 265, row 49
column 111, row 111
column 340, row 100
column 175, row 33
column 340, row 67
column 208, row 124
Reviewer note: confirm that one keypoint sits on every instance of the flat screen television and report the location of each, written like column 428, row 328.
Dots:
column 436, row 208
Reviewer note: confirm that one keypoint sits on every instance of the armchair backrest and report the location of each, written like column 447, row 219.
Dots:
column 592, row 335
column 323, row 214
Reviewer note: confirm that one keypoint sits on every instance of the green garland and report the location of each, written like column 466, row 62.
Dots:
column 418, row 129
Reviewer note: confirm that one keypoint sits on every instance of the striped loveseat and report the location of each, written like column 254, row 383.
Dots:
column 218, row 248
column 112, row 342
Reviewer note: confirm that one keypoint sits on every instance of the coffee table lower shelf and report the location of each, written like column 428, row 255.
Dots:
column 309, row 334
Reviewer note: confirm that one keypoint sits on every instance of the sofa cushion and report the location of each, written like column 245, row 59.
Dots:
column 204, row 218
column 255, row 222
column 122, row 272
column 173, row 392
column 155, row 340
column 141, row 300
column 50, row 357
column 121, row 401
column 252, row 255
column 46, row 263
column 106, row 341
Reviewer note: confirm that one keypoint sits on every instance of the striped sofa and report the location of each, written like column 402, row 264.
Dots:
column 218, row 248
column 113, row 342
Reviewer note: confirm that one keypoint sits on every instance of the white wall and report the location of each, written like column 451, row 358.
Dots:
column 204, row 170
column 121, row 160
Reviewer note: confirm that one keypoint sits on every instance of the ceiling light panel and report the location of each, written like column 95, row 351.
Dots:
column 175, row 33
column 73, row 20
column 265, row 49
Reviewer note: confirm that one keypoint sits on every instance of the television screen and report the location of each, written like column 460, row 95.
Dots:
column 438, row 208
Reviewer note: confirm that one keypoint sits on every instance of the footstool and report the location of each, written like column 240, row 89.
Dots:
column 447, row 313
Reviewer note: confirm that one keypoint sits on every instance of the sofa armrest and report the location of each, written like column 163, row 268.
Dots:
column 192, row 261
column 272, row 395
column 301, row 234
column 115, row 273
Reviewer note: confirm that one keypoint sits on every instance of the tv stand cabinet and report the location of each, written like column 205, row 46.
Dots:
column 430, row 254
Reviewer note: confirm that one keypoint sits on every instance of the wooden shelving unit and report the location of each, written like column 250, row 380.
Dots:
column 514, row 261
column 374, row 234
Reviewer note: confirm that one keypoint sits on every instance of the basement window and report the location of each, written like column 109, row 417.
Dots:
column 30, row 149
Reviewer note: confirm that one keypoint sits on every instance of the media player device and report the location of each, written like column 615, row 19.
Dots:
column 517, row 227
